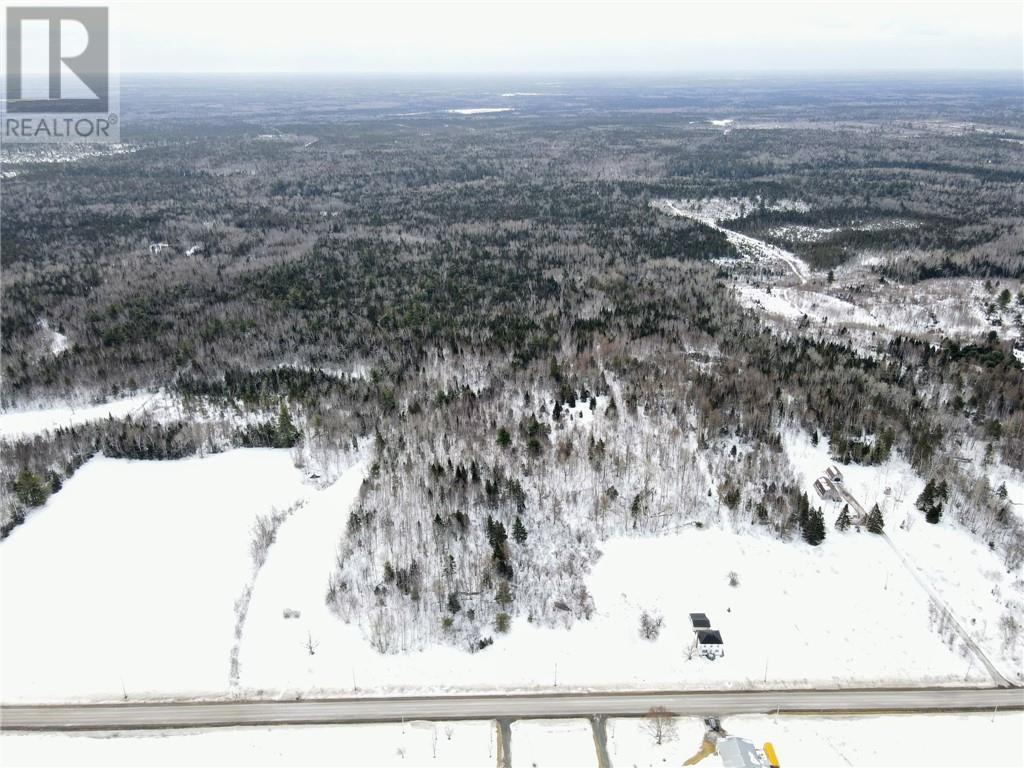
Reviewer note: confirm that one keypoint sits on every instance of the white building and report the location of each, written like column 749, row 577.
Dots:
column 709, row 643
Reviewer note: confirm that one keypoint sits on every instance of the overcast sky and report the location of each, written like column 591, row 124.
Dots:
column 569, row 37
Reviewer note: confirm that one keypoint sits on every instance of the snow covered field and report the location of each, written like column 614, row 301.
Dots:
column 415, row 744
column 128, row 576
column 980, row 594
column 145, row 560
column 630, row 742
column 27, row 422
column 979, row 740
column 544, row 743
column 290, row 650
column 922, row 741
column 793, row 303
column 479, row 110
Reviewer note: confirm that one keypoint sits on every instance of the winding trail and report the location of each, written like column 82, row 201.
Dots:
column 749, row 247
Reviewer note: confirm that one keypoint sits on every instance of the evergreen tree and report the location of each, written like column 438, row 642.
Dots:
column 285, row 434
column 454, row 606
column 930, row 500
column 843, row 521
column 924, row 501
column 519, row 531
column 876, row 523
column 813, row 527
column 31, row 489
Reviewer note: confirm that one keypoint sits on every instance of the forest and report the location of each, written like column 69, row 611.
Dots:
column 538, row 357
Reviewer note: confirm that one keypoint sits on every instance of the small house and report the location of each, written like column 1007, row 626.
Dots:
column 699, row 621
column 834, row 474
column 709, row 643
column 825, row 489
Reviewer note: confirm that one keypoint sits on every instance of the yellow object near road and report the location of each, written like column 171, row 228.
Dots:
column 769, row 752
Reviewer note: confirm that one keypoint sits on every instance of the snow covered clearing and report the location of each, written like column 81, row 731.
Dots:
column 160, row 406
column 982, row 740
column 804, row 234
column 793, row 303
column 981, row 596
column 722, row 123
column 145, row 561
column 289, row 633
column 27, row 422
column 838, row 614
column 630, row 742
column 712, row 210
column 955, row 307
column 544, row 743
column 413, row 744
column 479, row 110
column 58, row 342
column 124, row 582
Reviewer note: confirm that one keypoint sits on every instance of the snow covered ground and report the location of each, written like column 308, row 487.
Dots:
column 979, row 740
column 712, row 210
column 27, row 422
column 160, row 406
column 58, row 342
column 630, row 742
column 980, row 595
column 919, row 741
column 289, row 630
column 144, row 562
column 793, row 303
column 125, row 580
column 414, row 744
column 543, row 743
column 479, row 110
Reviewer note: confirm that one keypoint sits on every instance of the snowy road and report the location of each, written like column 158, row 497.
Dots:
column 356, row 710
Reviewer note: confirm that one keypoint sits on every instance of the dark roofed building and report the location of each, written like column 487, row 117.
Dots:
column 709, row 643
column 699, row 621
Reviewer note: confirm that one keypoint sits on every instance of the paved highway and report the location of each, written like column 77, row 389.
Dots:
column 703, row 703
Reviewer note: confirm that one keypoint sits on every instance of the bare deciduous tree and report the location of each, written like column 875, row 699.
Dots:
column 661, row 725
